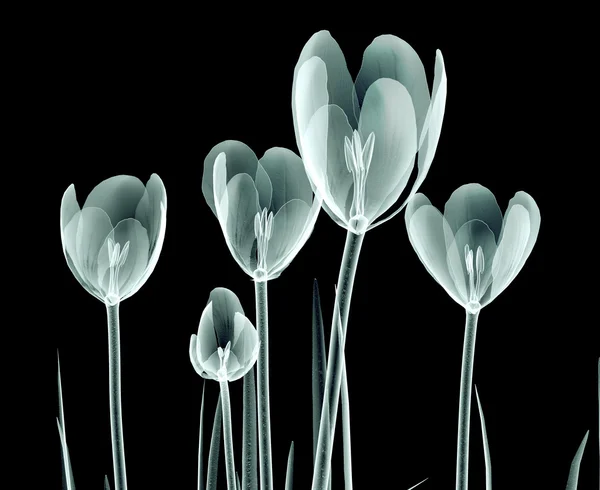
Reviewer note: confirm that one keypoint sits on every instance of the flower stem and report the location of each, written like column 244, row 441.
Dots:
column 228, row 436
column 464, row 410
column 116, row 421
column 264, row 411
column 333, row 381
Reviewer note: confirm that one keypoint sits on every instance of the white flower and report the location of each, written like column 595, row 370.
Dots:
column 359, row 140
column 226, row 346
column 112, row 244
column 266, row 208
column 471, row 250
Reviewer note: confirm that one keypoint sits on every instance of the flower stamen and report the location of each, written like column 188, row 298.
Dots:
column 358, row 161
column 475, row 274
column 263, row 230
column 116, row 258
column 223, row 358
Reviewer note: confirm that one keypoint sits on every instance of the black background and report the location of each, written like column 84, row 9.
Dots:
column 154, row 91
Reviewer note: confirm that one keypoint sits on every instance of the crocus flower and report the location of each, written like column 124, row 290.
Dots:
column 112, row 244
column 471, row 250
column 226, row 346
column 359, row 140
column 266, row 208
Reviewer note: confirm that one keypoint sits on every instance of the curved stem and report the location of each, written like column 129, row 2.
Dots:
column 116, row 421
column 264, row 410
column 464, row 410
column 227, row 436
column 333, row 381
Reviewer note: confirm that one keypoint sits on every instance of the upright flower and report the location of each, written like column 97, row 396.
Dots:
column 474, row 253
column 471, row 250
column 359, row 139
column 225, row 349
column 112, row 244
column 266, row 207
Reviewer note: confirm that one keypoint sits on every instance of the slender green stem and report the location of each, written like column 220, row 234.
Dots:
column 264, row 410
column 116, row 420
column 464, row 410
column 333, row 381
column 227, row 436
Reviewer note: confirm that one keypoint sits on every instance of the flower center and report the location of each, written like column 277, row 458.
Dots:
column 358, row 161
column 263, row 230
column 223, row 358
column 474, row 273
column 117, row 258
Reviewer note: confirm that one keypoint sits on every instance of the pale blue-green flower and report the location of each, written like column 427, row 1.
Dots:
column 471, row 250
column 113, row 242
column 266, row 208
column 359, row 140
column 226, row 345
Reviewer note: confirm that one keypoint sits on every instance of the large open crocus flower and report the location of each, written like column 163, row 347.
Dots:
column 266, row 208
column 471, row 250
column 112, row 244
column 226, row 346
column 359, row 140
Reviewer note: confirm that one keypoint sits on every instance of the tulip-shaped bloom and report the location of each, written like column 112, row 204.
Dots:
column 359, row 139
column 474, row 253
column 266, row 207
column 226, row 345
column 225, row 349
column 471, row 250
column 112, row 244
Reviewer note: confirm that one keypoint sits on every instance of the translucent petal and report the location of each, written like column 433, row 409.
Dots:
column 68, row 207
column 288, row 226
column 388, row 112
column 287, row 174
column 339, row 82
column 225, row 305
column 325, row 161
column 309, row 225
column 264, row 187
column 133, row 269
column 241, row 205
column 92, row 229
column 511, row 251
column 118, row 196
column 212, row 365
column 195, row 360
column 424, row 224
column 148, row 211
column 240, row 159
column 474, row 233
column 207, row 339
column 528, row 203
column 309, row 94
column 246, row 341
column 472, row 202
column 70, row 249
column 235, row 369
column 391, row 57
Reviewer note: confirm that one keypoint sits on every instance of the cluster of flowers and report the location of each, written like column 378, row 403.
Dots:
column 359, row 142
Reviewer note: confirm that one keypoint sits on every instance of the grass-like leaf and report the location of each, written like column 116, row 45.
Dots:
column 319, row 363
column 415, row 486
column 68, row 480
column 574, row 472
column 201, row 443
column 289, row 475
column 215, row 447
column 106, row 484
column 486, row 446
column 250, row 437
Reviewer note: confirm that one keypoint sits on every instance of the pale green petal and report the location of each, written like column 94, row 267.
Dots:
column 240, row 159
column 225, row 304
column 288, row 177
column 387, row 112
column 207, row 339
column 391, row 57
column 117, row 196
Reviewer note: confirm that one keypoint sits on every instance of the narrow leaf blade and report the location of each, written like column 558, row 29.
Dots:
column 289, row 475
column 574, row 472
column 215, row 448
column 201, row 443
column 486, row 446
column 319, row 363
